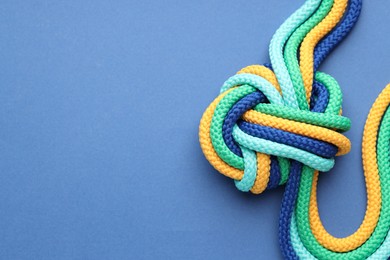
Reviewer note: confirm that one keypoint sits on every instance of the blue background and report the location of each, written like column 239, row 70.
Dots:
column 99, row 109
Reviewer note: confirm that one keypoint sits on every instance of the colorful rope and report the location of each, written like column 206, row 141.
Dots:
column 282, row 124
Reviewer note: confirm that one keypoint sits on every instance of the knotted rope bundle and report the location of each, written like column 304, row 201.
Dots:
column 246, row 127
column 282, row 123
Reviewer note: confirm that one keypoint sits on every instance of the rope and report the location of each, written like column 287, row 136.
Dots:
column 282, row 124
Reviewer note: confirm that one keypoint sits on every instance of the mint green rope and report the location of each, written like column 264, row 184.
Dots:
column 277, row 44
column 291, row 50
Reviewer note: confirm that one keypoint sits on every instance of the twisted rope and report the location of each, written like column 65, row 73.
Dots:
column 282, row 124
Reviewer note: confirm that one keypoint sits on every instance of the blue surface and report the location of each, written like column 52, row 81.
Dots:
column 99, row 109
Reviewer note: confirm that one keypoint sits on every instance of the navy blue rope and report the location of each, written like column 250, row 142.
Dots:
column 313, row 146
column 326, row 45
column 289, row 201
column 319, row 97
column 274, row 177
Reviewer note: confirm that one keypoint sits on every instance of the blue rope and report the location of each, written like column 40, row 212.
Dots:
column 274, row 178
column 331, row 41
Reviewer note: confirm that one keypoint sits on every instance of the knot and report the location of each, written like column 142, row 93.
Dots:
column 250, row 135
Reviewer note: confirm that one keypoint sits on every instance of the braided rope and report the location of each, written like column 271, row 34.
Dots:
column 282, row 124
